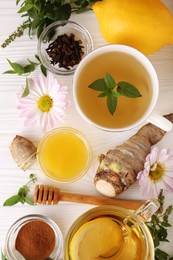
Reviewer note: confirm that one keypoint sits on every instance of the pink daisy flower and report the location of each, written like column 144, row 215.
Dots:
column 157, row 174
column 45, row 104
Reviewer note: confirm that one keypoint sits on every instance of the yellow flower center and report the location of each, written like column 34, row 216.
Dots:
column 45, row 103
column 157, row 174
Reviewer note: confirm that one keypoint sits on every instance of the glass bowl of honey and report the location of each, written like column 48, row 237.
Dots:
column 64, row 154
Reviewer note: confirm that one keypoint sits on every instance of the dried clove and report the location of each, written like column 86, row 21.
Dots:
column 65, row 51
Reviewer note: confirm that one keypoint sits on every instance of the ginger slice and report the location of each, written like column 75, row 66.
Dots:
column 23, row 152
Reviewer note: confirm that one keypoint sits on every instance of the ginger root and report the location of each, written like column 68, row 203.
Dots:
column 23, row 152
column 118, row 169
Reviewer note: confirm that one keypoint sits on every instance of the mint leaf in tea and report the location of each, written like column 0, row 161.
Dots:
column 112, row 90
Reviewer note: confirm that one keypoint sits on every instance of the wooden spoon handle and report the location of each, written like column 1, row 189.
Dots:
column 98, row 200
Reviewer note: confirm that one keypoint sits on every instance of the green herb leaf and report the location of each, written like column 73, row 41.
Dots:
column 23, row 191
column 22, row 194
column 17, row 2
column 12, row 200
column 29, row 201
column 103, row 94
column 10, row 72
column 25, row 8
column 31, row 176
column 111, row 103
column 158, row 229
column 161, row 255
column 26, row 90
column 37, row 57
column 107, row 85
column 43, row 70
column 16, row 67
column 109, row 80
column 29, row 68
column 63, row 12
column 22, row 200
column 98, row 85
column 128, row 90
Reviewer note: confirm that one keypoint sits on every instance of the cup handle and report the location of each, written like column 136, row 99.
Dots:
column 147, row 209
column 160, row 121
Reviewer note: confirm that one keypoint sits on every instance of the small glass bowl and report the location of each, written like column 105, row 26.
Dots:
column 66, row 139
column 12, row 233
column 51, row 32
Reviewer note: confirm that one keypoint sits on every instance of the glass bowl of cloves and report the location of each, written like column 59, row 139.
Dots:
column 62, row 45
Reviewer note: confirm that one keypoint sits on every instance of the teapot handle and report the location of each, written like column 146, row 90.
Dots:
column 147, row 209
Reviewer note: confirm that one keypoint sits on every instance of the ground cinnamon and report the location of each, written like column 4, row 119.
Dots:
column 35, row 240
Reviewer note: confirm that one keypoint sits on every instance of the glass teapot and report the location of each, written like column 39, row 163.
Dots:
column 111, row 233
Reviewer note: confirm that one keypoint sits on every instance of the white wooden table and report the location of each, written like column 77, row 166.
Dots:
column 11, row 177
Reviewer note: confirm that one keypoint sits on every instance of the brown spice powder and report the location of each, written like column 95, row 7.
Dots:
column 35, row 240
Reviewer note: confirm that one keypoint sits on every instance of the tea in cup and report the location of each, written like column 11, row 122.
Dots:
column 112, row 233
column 124, row 64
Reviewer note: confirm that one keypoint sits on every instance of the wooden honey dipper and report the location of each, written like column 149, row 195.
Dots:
column 45, row 194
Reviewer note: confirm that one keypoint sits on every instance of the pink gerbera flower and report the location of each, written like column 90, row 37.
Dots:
column 157, row 174
column 45, row 104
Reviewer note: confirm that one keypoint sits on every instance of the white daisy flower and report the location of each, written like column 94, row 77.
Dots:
column 157, row 174
column 45, row 104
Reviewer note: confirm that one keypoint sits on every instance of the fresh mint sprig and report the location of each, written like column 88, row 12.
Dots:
column 112, row 90
column 158, row 226
column 40, row 13
column 26, row 70
column 21, row 196
column 21, row 70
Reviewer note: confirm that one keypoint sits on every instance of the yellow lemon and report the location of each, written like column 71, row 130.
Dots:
column 97, row 239
column 146, row 25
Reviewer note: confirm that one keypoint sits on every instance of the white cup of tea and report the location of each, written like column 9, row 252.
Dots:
column 125, row 64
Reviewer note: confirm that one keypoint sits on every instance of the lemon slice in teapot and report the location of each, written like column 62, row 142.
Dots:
column 97, row 239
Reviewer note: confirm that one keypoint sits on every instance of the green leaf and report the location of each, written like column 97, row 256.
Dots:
column 128, row 90
column 63, row 12
column 31, row 176
column 35, row 22
column 25, row 8
column 103, row 94
column 29, row 68
column 12, row 200
column 29, row 201
column 161, row 255
column 33, row 63
column 37, row 57
column 23, row 191
column 111, row 103
column 10, row 72
column 26, row 90
column 40, row 27
column 17, row 2
column 98, row 85
column 16, row 67
column 165, row 224
column 22, row 200
column 162, row 234
column 43, row 70
column 109, row 80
